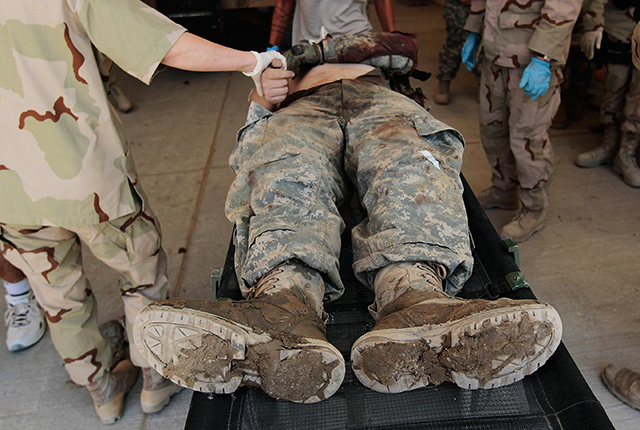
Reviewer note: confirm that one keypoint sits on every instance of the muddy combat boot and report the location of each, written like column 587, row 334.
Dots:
column 495, row 198
column 443, row 96
column 623, row 383
column 156, row 391
column 274, row 340
column 523, row 226
column 625, row 163
column 604, row 153
column 109, row 391
column 423, row 336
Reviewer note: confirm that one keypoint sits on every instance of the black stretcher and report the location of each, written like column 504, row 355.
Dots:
column 554, row 397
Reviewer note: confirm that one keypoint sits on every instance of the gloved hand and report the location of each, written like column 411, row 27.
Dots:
column 536, row 77
column 263, row 60
column 590, row 41
column 303, row 55
column 469, row 49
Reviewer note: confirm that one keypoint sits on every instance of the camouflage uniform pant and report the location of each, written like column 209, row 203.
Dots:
column 52, row 260
column 514, row 133
column 621, row 98
column 455, row 16
column 292, row 170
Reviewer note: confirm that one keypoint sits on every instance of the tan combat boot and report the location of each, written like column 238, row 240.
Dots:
column 424, row 336
column 604, row 153
column 156, row 391
column 496, row 198
column 274, row 340
column 523, row 226
column 108, row 392
column 625, row 163
column 443, row 96
column 623, row 383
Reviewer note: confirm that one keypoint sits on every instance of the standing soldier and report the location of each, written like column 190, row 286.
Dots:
column 620, row 108
column 525, row 45
column 455, row 16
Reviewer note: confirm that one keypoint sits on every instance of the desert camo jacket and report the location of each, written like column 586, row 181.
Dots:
column 512, row 30
column 617, row 23
column 63, row 157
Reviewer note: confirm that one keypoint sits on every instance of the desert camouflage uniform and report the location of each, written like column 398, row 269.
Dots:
column 292, row 169
column 455, row 16
column 65, row 170
column 513, row 128
column 621, row 96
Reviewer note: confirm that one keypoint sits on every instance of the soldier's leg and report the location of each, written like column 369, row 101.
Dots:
column 529, row 124
column 52, row 260
column 455, row 16
column 131, row 245
column 414, row 251
column 287, row 239
column 616, row 87
column 494, row 134
column 625, row 162
column 287, row 188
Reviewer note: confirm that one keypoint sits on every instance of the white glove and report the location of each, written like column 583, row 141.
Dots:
column 263, row 60
column 591, row 41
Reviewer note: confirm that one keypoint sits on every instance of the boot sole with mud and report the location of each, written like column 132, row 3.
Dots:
column 486, row 350
column 208, row 353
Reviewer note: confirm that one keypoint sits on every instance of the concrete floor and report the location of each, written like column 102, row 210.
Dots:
column 182, row 131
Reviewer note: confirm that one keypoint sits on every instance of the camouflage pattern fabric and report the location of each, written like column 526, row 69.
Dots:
column 621, row 97
column 617, row 23
column 52, row 260
column 54, row 114
column 292, row 169
column 455, row 16
column 635, row 46
column 513, row 130
column 513, row 29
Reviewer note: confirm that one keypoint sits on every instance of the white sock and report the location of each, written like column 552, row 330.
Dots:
column 19, row 288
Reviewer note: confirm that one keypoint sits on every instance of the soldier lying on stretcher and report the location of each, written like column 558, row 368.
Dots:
column 339, row 123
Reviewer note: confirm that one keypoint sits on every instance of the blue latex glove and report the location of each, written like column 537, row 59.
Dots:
column 536, row 77
column 273, row 48
column 469, row 49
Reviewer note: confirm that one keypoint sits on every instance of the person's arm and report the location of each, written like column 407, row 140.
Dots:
column 196, row 54
column 553, row 33
column 282, row 16
column 384, row 10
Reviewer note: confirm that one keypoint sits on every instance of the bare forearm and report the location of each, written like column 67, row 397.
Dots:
column 384, row 10
column 194, row 53
column 282, row 15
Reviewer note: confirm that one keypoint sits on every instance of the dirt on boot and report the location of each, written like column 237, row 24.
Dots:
column 274, row 342
column 486, row 348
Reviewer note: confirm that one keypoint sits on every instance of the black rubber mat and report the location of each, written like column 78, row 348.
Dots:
column 555, row 397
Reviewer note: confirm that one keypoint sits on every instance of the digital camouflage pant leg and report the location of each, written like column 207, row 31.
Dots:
column 514, row 133
column 292, row 169
column 455, row 16
column 52, row 260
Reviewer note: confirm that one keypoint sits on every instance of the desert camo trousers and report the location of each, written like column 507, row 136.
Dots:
column 52, row 260
column 514, row 133
column 292, row 170
column 621, row 97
